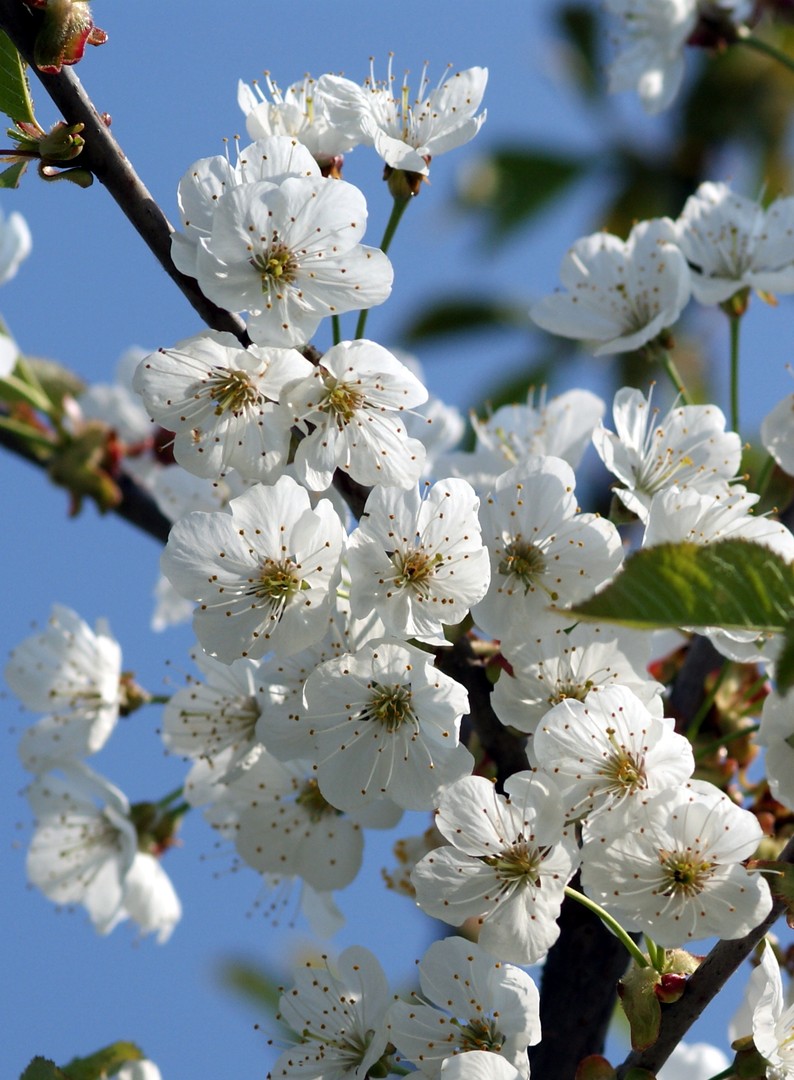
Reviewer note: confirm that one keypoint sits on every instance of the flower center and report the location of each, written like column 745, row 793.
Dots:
column 523, row 560
column 341, row 400
column 277, row 582
column 314, row 804
column 566, row 691
column 275, row 266
column 624, row 771
column 391, row 706
column 415, row 569
column 231, row 391
column 481, row 1033
column 518, row 863
column 685, row 874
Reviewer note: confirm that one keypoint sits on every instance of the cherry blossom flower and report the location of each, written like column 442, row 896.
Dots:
column 85, row 851
column 570, row 664
column 620, row 295
column 348, row 408
column 262, row 574
column 609, row 749
column 208, row 179
column 507, row 867
column 337, row 1012
column 222, row 402
column 688, row 447
column 408, row 131
column 73, row 674
column 478, row 1065
column 544, row 554
column 384, row 722
column 561, row 427
column 777, row 434
column 139, row 1070
column 775, row 734
column 15, row 244
column 732, row 243
column 418, row 559
column 671, row 866
column 477, row 1004
column 301, row 111
column 288, row 253
column 773, row 1022
column 652, row 36
column 215, row 719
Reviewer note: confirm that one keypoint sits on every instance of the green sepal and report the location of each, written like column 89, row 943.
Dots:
column 10, row 177
column 637, row 992
column 15, row 99
column 43, row 1069
column 103, row 1063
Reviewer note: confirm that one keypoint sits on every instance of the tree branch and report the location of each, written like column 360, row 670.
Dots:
column 103, row 156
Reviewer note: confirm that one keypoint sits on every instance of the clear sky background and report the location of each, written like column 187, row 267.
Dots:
column 168, row 77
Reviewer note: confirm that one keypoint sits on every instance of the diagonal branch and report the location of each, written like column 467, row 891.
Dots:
column 103, row 156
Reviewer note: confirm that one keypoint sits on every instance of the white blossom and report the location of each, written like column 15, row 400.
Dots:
column 349, row 409
column 221, row 400
column 507, row 867
column 476, row 1003
column 288, row 253
column 561, row 427
column 337, row 1012
column 688, row 447
column 619, row 295
column 15, row 244
column 544, row 554
column 418, row 559
column 407, row 130
column 72, row 673
column 777, row 434
column 732, row 243
column 302, row 111
column 570, row 664
column 85, row 851
column 671, row 866
column 609, row 749
column 653, row 34
column 773, row 1022
column 478, row 1065
column 384, row 722
column 262, row 574
column 208, row 179
column 776, row 734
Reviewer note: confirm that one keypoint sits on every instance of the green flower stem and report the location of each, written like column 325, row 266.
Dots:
column 744, row 36
column 336, row 329
column 612, row 924
column 723, row 740
column 158, row 699
column 736, row 322
column 694, row 726
column 397, row 211
column 656, row 954
column 668, row 364
column 172, row 796
column 33, row 439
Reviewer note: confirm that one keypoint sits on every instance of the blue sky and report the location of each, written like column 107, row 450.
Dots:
column 168, row 77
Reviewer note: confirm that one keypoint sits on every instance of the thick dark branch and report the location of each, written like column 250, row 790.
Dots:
column 136, row 506
column 702, row 988
column 103, row 156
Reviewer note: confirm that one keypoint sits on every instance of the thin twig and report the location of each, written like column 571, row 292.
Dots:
column 103, row 157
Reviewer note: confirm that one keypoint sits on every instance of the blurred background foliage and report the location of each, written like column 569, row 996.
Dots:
column 734, row 114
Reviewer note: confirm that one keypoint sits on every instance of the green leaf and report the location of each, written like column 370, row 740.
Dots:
column 43, row 1069
column 254, row 982
column 637, row 993
column 461, row 315
column 513, row 184
column 581, row 26
column 734, row 584
column 784, row 666
column 15, row 100
column 104, row 1062
column 10, row 177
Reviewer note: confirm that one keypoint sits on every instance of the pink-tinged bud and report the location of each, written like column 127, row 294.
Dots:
column 594, row 1067
column 66, row 29
column 670, row 987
